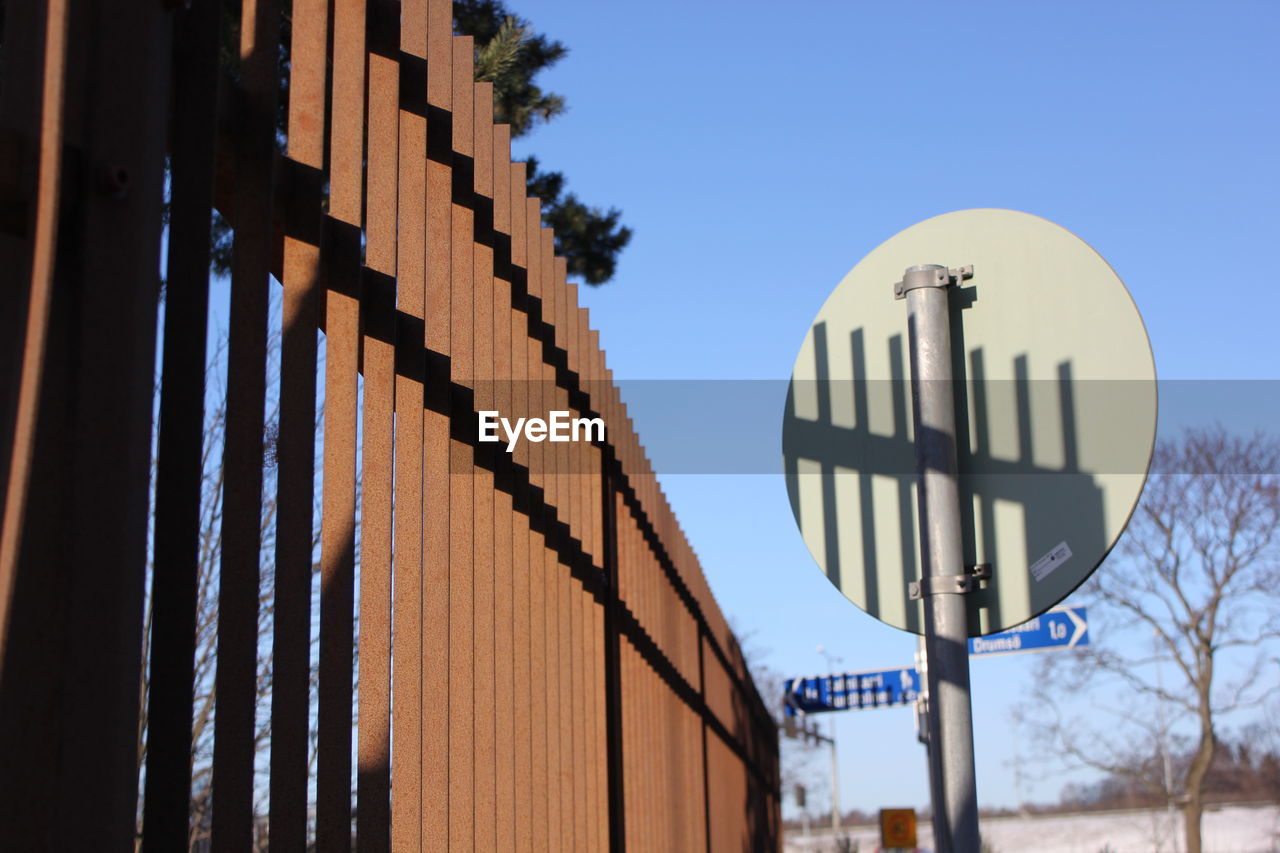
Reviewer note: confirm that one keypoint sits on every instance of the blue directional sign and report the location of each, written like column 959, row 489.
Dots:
column 851, row 691
column 1056, row 629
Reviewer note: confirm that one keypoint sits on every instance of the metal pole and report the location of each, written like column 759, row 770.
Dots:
column 835, row 782
column 944, row 580
column 832, row 660
column 923, row 716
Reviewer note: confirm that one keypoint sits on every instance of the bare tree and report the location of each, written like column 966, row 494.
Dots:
column 205, row 660
column 1184, row 619
column 797, row 760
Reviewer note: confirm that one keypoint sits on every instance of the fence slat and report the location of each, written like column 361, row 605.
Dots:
column 373, row 797
column 342, row 353
column 485, row 687
column 75, row 536
column 506, row 525
column 409, row 656
column 438, row 509
column 175, row 579
column 296, row 435
column 527, row 211
column 237, row 650
column 462, row 527
column 32, row 103
column 524, row 544
column 596, row 627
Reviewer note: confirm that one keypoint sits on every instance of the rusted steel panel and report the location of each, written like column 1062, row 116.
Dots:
column 586, row 514
column 728, row 799
column 341, row 255
column 632, row 758
column 653, row 751
column 667, row 755
column 33, row 74
column 410, row 654
column 596, row 625
column 588, row 517
column 616, row 523
column 703, row 735
column 642, row 748
column 438, row 508
column 718, row 691
column 233, row 751
column 582, row 581
column 694, row 757
column 374, row 759
column 523, row 693
column 543, row 624
column 678, row 748
column 295, row 442
column 523, row 570
column 559, row 615
column 544, row 823
column 566, row 308
column 32, row 104
column 505, row 525
column 695, row 814
column 630, row 587
column 462, row 528
column 462, row 521
column 633, row 688
column 652, row 720
column 176, row 562
column 484, row 665
column 652, row 783
column 633, row 599
column 542, row 290
column 570, row 612
column 69, row 702
column 570, row 732
column 613, row 709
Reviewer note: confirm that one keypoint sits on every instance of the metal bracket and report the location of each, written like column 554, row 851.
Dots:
column 966, row 582
column 930, row 275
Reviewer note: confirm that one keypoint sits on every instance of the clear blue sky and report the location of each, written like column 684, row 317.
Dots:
column 759, row 150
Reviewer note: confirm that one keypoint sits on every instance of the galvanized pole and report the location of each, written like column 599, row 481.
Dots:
column 923, row 716
column 944, row 580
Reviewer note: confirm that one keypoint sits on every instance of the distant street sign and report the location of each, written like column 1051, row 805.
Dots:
column 1057, row 629
column 851, row 691
column 897, row 828
column 1055, row 404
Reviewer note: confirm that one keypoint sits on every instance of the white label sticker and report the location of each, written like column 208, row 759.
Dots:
column 1041, row 568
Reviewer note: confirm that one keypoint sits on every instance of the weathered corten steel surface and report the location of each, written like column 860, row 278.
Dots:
column 470, row 649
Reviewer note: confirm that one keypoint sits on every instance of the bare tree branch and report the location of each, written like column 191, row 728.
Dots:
column 1196, row 571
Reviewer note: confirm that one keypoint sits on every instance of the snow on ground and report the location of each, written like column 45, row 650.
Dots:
column 1230, row 829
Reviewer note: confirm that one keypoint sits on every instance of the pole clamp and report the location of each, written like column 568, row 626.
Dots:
column 966, row 582
column 930, row 275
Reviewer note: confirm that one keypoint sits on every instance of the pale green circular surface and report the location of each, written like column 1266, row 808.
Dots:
column 1055, row 417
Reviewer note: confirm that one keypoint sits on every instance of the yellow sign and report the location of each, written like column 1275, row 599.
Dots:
column 897, row 828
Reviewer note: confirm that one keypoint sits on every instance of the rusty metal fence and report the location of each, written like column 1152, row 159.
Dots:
column 541, row 664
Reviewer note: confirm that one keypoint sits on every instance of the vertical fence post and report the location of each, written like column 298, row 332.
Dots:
column 75, row 559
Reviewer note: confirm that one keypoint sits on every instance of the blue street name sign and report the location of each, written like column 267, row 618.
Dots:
column 851, row 691
column 1056, row 629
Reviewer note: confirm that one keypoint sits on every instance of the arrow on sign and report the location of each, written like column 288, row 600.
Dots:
column 851, row 691
column 1082, row 627
column 1057, row 629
